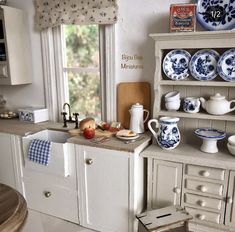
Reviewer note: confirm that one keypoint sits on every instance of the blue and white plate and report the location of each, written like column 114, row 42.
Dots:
column 175, row 64
column 203, row 64
column 216, row 14
column 210, row 133
column 226, row 65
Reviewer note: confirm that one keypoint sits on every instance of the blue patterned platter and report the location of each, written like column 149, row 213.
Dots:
column 216, row 14
column 203, row 64
column 175, row 64
column 226, row 65
column 210, row 133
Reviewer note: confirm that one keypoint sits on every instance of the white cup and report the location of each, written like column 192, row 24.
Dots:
column 172, row 105
column 172, row 96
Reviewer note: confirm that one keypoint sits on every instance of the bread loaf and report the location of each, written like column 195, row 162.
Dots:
column 86, row 123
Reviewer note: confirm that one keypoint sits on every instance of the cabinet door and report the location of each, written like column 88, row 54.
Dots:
column 166, row 187
column 7, row 175
column 230, row 206
column 103, row 186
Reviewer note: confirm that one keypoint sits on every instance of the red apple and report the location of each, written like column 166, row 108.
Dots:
column 89, row 133
column 106, row 126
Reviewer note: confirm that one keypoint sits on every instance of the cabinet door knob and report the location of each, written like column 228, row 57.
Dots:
column 200, row 216
column 47, row 194
column 204, row 173
column 177, row 190
column 201, row 203
column 202, row 188
column 229, row 200
column 89, row 161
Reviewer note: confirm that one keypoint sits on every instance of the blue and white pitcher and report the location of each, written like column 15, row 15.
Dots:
column 168, row 135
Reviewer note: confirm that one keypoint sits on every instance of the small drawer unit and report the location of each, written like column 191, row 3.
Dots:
column 204, row 187
column 203, row 202
column 203, row 215
column 205, row 172
column 51, row 199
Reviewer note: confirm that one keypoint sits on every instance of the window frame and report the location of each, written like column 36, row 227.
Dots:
column 56, row 87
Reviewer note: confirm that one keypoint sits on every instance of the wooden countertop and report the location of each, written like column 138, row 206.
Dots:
column 13, row 209
column 17, row 127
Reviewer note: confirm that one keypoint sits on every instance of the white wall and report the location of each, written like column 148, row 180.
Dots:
column 31, row 94
column 137, row 19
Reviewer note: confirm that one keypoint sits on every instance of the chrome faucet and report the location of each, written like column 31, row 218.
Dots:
column 64, row 113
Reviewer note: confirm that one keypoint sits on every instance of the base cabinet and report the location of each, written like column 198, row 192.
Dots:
column 107, row 183
column 166, row 184
column 206, row 192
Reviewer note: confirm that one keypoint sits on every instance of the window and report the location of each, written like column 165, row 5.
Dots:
column 81, row 69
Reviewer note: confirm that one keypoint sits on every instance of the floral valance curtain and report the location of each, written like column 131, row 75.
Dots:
column 50, row 13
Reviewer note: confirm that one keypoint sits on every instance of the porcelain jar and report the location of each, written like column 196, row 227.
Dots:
column 168, row 134
column 191, row 105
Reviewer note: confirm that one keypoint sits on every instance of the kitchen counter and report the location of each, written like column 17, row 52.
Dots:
column 17, row 127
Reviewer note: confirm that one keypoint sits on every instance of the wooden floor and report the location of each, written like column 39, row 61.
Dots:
column 38, row 222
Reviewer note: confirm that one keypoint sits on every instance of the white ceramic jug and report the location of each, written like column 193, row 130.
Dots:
column 168, row 135
column 137, row 118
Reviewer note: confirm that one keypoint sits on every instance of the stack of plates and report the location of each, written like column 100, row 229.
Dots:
column 126, row 135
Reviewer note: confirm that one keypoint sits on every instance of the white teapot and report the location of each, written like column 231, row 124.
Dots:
column 217, row 105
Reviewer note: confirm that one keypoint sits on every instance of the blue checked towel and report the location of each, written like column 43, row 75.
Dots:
column 39, row 151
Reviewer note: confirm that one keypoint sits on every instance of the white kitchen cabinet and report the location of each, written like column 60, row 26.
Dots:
column 8, row 167
column 15, row 51
column 110, row 186
column 165, row 189
column 230, row 207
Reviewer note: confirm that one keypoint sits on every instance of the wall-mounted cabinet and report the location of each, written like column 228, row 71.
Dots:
column 15, row 51
column 190, row 87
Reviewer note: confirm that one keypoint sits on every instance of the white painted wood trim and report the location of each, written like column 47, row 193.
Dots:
column 109, row 83
column 49, row 73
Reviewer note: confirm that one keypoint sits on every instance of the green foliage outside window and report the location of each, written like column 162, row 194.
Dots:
column 82, row 51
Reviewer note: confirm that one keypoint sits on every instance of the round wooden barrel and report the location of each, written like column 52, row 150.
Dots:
column 13, row 209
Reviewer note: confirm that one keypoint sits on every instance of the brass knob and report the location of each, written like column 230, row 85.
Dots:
column 202, row 188
column 204, row 173
column 89, row 161
column 201, row 203
column 200, row 216
column 177, row 190
column 47, row 194
column 229, row 200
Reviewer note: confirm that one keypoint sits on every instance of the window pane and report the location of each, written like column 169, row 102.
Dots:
column 84, row 94
column 82, row 45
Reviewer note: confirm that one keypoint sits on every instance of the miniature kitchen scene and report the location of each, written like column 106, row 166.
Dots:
column 114, row 121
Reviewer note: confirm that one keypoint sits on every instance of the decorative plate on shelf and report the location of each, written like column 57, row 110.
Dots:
column 210, row 133
column 175, row 64
column 216, row 14
column 203, row 64
column 226, row 65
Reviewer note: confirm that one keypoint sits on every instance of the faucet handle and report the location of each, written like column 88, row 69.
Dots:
column 76, row 120
column 64, row 118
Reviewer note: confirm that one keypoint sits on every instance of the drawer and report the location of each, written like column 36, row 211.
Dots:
column 202, row 201
column 52, row 200
column 204, row 187
column 204, row 215
column 205, row 172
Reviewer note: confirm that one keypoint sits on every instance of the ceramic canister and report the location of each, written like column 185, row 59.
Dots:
column 191, row 105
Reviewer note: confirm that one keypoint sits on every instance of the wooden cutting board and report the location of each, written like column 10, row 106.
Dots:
column 129, row 93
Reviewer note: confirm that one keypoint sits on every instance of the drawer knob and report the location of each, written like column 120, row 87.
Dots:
column 204, row 173
column 177, row 190
column 200, row 216
column 201, row 203
column 89, row 161
column 202, row 188
column 229, row 200
column 47, row 194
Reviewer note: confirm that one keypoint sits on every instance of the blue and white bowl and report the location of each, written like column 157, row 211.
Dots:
column 226, row 65
column 175, row 64
column 203, row 64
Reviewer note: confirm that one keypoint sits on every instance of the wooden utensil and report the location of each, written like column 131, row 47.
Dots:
column 129, row 93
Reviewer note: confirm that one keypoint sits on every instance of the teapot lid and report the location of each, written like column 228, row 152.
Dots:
column 217, row 96
column 137, row 105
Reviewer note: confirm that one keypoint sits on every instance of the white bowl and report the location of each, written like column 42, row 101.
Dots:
column 231, row 140
column 172, row 105
column 172, row 96
column 231, row 149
